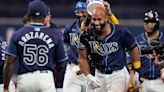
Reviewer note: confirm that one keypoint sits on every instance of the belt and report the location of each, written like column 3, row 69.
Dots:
column 151, row 78
column 106, row 71
column 109, row 70
column 41, row 71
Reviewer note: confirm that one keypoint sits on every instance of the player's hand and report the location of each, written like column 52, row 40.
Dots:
column 134, row 83
column 156, row 60
column 79, row 72
column 92, row 82
column 162, row 74
column 106, row 4
column 107, row 7
column 5, row 90
column 131, row 87
column 85, row 24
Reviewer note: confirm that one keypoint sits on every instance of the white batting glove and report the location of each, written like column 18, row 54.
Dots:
column 92, row 82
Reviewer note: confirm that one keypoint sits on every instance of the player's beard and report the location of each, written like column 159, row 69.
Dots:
column 99, row 31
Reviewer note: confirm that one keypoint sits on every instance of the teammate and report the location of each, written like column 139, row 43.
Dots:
column 3, row 45
column 71, row 38
column 107, row 44
column 149, row 72
column 36, row 48
column 48, row 19
column 74, row 80
column 48, row 23
column 59, row 83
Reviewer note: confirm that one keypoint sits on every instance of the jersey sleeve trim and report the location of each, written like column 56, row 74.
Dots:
column 132, row 46
column 8, row 53
column 82, row 48
column 62, row 60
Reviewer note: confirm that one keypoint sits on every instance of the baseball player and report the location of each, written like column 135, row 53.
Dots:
column 48, row 19
column 3, row 46
column 59, row 83
column 38, row 50
column 48, row 23
column 150, row 72
column 107, row 44
column 74, row 80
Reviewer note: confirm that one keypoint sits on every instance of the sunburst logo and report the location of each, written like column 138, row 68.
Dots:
column 97, row 46
column 75, row 38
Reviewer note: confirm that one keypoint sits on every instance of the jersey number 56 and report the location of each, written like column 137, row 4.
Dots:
column 34, row 54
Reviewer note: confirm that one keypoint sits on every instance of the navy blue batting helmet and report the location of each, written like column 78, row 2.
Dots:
column 81, row 6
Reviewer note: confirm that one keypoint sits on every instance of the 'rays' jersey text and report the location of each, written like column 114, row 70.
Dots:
column 103, row 49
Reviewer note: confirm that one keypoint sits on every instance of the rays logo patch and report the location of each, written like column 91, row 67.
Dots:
column 74, row 40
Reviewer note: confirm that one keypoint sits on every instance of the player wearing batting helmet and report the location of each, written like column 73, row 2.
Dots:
column 74, row 80
column 149, row 72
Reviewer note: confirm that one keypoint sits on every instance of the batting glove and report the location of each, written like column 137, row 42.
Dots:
column 92, row 82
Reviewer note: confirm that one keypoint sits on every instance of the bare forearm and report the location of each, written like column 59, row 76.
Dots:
column 135, row 54
column 58, row 71
column 136, row 57
column 8, row 69
column 160, row 64
column 85, row 67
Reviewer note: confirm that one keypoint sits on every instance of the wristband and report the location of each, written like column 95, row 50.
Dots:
column 137, row 64
column 114, row 19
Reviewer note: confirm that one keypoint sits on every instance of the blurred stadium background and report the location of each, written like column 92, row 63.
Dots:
column 129, row 12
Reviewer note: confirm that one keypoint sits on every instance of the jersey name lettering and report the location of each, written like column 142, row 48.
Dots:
column 37, row 35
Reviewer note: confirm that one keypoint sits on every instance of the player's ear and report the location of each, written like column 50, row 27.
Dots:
column 107, row 18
